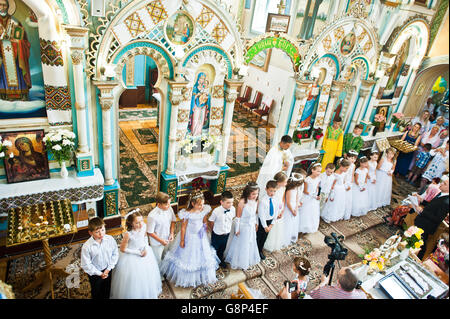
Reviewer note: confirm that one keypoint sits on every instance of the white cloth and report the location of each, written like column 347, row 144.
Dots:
column 159, row 222
column 384, row 183
column 96, row 257
column 241, row 251
column 349, row 176
column 291, row 221
column 360, row 201
column 136, row 277
column 273, row 163
column 334, row 208
column 222, row 221
column 276, row 239
column 371, row 185
column 309, row 213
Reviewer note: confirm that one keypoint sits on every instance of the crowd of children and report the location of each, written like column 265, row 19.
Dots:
column 265, row 219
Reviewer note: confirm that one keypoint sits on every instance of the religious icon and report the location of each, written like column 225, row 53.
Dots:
column 200, row 104
column 27, row 158
column 305, row 121
column 15, row 78
column 348, row 43
column 180, row 28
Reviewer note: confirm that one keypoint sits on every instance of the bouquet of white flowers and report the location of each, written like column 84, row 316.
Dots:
column 61, row 144
column 4, row 144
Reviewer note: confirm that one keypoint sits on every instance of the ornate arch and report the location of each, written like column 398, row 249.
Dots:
column 363, row 38
column 158, row 54
column 417, row 28
column 214, row 55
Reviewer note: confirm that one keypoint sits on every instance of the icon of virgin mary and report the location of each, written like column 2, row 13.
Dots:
column 200, row 105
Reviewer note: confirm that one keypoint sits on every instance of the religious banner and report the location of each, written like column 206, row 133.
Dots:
column 280, row 42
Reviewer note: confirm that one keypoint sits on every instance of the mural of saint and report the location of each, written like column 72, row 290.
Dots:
column 179, row 28
column 200, row 105
column 305, row 121
column 15, row 78
column 397, row 67
column 348, row 43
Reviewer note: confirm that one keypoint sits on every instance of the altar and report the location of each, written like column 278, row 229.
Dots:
column 407, row 279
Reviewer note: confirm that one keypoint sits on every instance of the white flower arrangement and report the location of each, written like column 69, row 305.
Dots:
column 207, row 143
column 4, row 144
column 61, row 143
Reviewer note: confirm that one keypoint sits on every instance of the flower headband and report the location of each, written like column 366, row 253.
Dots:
column 352, row 152
column 301, row 266
column 132, row 212
column 296, row 177
column 196, row 194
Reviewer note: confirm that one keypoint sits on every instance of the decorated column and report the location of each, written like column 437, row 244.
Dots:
column 336, row 88
column 386, row 60
column 78, row 44
column 106, row 103
column 231, row 93
column 364, row 91
column 177, row 90
column 301, row 94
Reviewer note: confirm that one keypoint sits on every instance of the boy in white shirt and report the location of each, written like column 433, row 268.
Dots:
column 220, row 224
column 326, row 181
column 160, row 225
column 99, row 255
column 268, row 210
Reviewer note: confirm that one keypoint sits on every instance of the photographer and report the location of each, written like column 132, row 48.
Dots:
column 296, row 288
column 346, row 287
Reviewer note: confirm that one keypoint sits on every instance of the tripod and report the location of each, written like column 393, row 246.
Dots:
column 329, row 268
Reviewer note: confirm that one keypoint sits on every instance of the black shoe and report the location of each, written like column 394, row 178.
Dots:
column 223, row 265
column 262, row 256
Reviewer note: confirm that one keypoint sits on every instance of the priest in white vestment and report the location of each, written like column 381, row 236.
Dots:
column 279, row 158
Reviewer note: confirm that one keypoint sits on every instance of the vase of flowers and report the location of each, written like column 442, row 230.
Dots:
column 378, row 123
column 396, row 117
column 4, row 144
column 412, row 240
column 299, row 135
column 61, row 144
column 375, row 261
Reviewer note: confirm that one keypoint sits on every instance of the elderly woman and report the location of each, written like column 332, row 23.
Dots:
column 424, row 121
column 404, row 160
column 440, row 122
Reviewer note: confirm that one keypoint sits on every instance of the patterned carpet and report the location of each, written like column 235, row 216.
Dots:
column 137, row 114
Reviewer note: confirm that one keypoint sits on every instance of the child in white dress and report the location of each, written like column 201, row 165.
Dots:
column 334, row 208
column 360, row 205
column 294, row 191
column 385, row 169
column 326, row 180
column 137, row 274
column 349, row 179
column 276, row 238
column 192, row 261
column 372, row 182
column 242, row 250
column 309, row 213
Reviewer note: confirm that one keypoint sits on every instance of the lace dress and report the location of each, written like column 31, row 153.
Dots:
column 196, row 263
column 371, row 187
column 136, row 277
column 334, row 209
column 309, row 213
column 360, row 204
column 384, row 183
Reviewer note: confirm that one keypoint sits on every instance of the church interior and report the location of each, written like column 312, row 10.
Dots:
column 104, row 104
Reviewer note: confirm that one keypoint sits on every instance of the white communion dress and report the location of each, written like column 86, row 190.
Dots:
column 372, row 187
column 384, row 183
column 349, row 194
column 276, row 238
column 334, row 208
column 242, row 250
column 196, row 263
column 360, row 204
column 291, row 221
column 136, row 277
column 309, row 212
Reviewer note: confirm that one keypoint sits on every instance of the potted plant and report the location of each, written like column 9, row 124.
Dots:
column 61, row 143
column 299, row 135
column 396, row 117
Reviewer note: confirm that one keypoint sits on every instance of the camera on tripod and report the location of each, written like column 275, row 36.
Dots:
column 338, row 252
